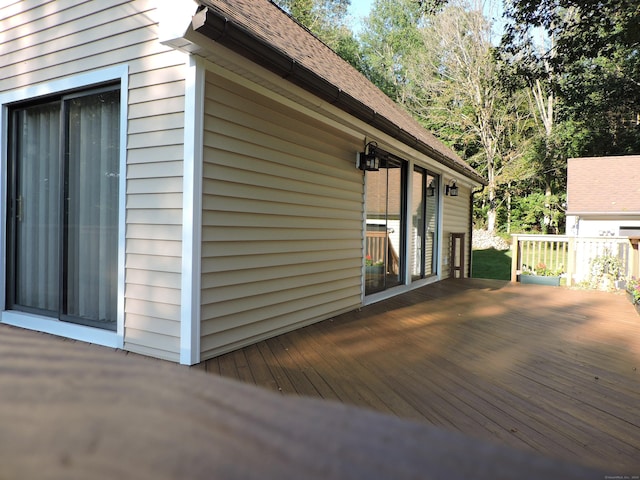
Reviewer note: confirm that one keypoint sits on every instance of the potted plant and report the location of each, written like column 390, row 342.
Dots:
column 541, row 275
column 633, row 293
column 606, row 272
column 373, row 268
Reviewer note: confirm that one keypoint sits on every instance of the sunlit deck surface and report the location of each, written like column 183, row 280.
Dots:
column 539, row 368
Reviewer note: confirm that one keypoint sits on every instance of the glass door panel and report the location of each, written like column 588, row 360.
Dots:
column 92, row 202
column 35, row 209
column 431, row 224
column 386, row 192
column 417, row 244
column 424, row 223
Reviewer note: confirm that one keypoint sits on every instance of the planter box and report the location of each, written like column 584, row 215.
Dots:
column 372, row 270
column 630, row 297
column 635, row 304
column 540, row 280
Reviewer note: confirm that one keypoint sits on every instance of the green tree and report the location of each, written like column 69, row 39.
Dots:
column 580, row 62
column 328, row 20
column 389, row 38
column 453, row 89
column 596, row 63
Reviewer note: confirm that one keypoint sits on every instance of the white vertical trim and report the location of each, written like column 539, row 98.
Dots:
column 122, row 202
column 192, row 212
column 51, row 325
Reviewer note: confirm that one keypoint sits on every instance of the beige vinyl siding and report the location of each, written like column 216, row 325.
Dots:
column 46, row 41
column 456, row 220
column 282, row 219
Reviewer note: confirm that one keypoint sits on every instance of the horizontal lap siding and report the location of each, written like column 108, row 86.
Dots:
column 282, row 220
column 45, row 41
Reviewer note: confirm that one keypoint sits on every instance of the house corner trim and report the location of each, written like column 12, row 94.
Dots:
column 192, row 212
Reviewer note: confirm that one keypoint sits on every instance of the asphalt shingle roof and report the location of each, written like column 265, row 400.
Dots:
column 267, row 23
column 603, row 185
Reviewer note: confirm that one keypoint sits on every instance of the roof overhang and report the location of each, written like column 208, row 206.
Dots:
column 214, row 25
column 602, row 214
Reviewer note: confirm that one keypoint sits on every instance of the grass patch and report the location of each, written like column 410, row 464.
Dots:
column 491, row 263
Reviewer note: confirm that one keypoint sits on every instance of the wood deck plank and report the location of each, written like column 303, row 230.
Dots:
column 364, row 388
column 260, row 371
column 242, row 366
column 227, row 366
column 280, row 377
column 304, row 354
column 508, row 362
column 72, row 408
column 300, row 382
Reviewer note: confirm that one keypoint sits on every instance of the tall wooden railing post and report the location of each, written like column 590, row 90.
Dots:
column 515, row 257
column 634, row 259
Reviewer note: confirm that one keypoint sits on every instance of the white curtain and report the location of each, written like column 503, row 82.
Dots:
column 37, row 207
column 82, row 240
column 92, row 242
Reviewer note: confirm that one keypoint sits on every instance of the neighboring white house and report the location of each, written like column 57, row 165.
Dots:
column 603, row 196
column 603, row 201
column 179, row 178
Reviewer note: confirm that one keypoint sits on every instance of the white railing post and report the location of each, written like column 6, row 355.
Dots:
column 571, row 261
column 515, row 257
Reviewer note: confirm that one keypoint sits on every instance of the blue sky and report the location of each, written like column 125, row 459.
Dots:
column 359, row 9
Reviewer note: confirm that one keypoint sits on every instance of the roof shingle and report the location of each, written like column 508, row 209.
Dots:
column 603, row 185
column 267, row 23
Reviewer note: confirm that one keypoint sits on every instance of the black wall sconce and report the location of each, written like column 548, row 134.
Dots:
column 451, row 189
column 369, row 160
column 431, row 189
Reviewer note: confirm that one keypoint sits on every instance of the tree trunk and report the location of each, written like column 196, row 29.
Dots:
column 508, row 194
column 491, row 213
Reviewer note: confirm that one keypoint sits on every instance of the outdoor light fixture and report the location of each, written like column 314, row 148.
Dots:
column 369, row 160
column 431, row 189
column 451, row 189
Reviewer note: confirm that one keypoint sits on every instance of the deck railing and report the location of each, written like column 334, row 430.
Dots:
column 571, row 254
column 380, row 249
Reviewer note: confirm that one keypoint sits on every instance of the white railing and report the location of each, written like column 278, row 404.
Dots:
column 571, row 254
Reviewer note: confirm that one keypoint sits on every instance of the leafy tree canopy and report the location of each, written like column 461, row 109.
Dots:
column 590, row 58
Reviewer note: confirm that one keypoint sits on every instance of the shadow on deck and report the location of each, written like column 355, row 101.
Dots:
column 547, row 369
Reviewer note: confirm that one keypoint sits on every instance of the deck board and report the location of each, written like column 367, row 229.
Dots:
column 547, row 369
column 69, row 409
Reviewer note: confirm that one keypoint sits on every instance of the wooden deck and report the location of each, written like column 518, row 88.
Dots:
column 70, row 410
column 547, row 369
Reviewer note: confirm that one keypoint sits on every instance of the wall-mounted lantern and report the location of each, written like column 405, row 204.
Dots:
column 369, row 160
column 451, row 189
column 431, row 189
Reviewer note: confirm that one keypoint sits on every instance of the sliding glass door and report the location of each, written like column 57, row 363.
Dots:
column 424, row 223
column 63, row 208
column 386, row 221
